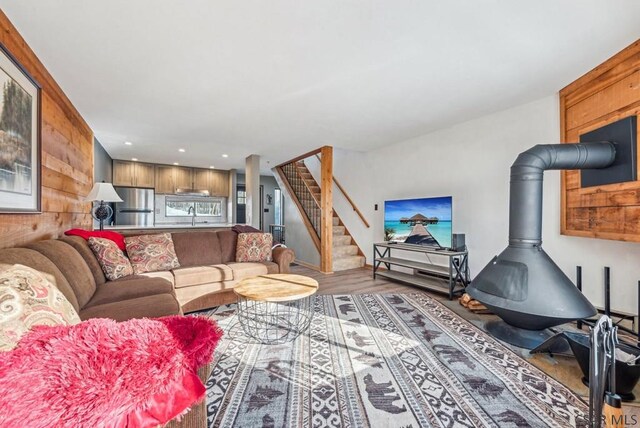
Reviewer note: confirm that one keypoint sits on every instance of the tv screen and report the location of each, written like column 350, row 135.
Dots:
column 425, row 221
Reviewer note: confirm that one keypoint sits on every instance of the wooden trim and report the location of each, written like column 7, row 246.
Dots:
column 307, row 265
column 299, row 158
column 346, row 195
column 310, row 229
column 563, row 179
column 326, row 209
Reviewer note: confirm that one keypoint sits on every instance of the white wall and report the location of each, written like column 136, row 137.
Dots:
column 471, row 161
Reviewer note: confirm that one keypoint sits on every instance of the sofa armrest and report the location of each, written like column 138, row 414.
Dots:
column 283, row 257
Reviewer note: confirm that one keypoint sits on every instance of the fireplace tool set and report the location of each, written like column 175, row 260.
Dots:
column 602, row 375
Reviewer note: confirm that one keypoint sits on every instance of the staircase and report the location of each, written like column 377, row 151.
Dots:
column 345, row 252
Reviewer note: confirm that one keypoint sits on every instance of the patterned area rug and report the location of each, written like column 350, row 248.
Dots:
column 401, row 360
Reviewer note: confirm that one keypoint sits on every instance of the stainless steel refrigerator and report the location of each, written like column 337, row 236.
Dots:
column 137, row 207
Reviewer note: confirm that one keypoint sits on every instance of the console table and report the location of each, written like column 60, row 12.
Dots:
column 456, row 273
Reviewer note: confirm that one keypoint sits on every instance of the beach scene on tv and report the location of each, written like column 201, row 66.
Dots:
column 425, row 221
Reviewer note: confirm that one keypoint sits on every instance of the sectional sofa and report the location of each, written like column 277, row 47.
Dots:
column 207, row 268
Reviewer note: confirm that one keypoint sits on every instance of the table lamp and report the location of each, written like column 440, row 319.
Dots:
column 103, row 193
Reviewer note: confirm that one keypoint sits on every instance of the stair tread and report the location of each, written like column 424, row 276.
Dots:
column 350, row 262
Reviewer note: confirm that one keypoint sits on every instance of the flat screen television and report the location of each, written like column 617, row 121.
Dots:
column 425, row 221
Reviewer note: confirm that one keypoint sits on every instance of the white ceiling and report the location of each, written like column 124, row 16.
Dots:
column 281, row 77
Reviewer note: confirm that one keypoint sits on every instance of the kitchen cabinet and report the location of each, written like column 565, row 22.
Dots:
column 216, row 182
column 123, row 173
column 171, row 178
column 133, row 174
column 220, row 183
column 202, row 179
column 183, row 177
column 145, row 175
column 165, row 180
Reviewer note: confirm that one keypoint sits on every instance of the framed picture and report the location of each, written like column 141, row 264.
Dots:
column 20, row 174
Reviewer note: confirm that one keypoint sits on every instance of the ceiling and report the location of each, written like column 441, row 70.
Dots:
column 278, row 78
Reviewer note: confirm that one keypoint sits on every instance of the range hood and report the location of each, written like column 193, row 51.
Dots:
column 523, row 285
column 192, row 192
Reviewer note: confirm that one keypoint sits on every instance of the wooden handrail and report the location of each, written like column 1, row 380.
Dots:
column 344, row 192
column 298, row 158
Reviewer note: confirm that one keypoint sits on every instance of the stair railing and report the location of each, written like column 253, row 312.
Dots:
column 347, row 197
column 317, row 213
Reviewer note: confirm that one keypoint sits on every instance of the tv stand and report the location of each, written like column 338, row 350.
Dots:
column 456, row 273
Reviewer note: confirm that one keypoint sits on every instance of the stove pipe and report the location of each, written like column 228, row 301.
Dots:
column 522, row 285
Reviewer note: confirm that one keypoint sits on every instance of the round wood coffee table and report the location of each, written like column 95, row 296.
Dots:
column 275, row 308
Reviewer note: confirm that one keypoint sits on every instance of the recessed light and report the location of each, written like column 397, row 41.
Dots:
column 181, row 150
column 128, row 143
column 134, row 159
column 225, row 155
column 176, row 163
column 212, row 167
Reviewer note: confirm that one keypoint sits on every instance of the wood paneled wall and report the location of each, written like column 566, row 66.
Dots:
column 606, row 94
column 67, row 157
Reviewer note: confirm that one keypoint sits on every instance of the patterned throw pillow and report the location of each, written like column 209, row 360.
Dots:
column 112, row 260
column 254, row 247
column 28, row 299
column 151, row 253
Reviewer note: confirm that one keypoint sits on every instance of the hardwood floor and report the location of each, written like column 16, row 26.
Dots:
column 353, row 281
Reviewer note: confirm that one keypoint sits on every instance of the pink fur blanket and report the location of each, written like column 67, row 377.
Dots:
column 101, row 373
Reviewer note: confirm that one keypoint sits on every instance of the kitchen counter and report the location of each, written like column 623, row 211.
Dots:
column 173, row 226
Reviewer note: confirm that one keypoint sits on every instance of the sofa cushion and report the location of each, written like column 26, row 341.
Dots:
column 158, row 305
column 193, row 298
column 37, row 261
column 201, row 275
column 164, row 274
column 151, row 253
column 228, row 240
column 29, row 299
column 130, row 287
column 200, row 248
column 114, row 263
column 254, row 247
column 72, row 266
column 82, row 247
column 246, row 270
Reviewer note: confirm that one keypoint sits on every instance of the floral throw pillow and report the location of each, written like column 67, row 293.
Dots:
column 254, row 247
column 151, row 253
column 112, row 260
column 28, row 299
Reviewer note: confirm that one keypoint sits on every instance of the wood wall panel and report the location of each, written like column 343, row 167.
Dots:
column 67, row 157
column 606, row 94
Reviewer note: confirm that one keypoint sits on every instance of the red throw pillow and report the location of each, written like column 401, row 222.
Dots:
column 137, row 373
column 106, row 234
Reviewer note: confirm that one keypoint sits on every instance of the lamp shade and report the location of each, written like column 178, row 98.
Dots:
column 103, row 192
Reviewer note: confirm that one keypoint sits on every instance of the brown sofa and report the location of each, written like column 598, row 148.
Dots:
column 207, row 268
